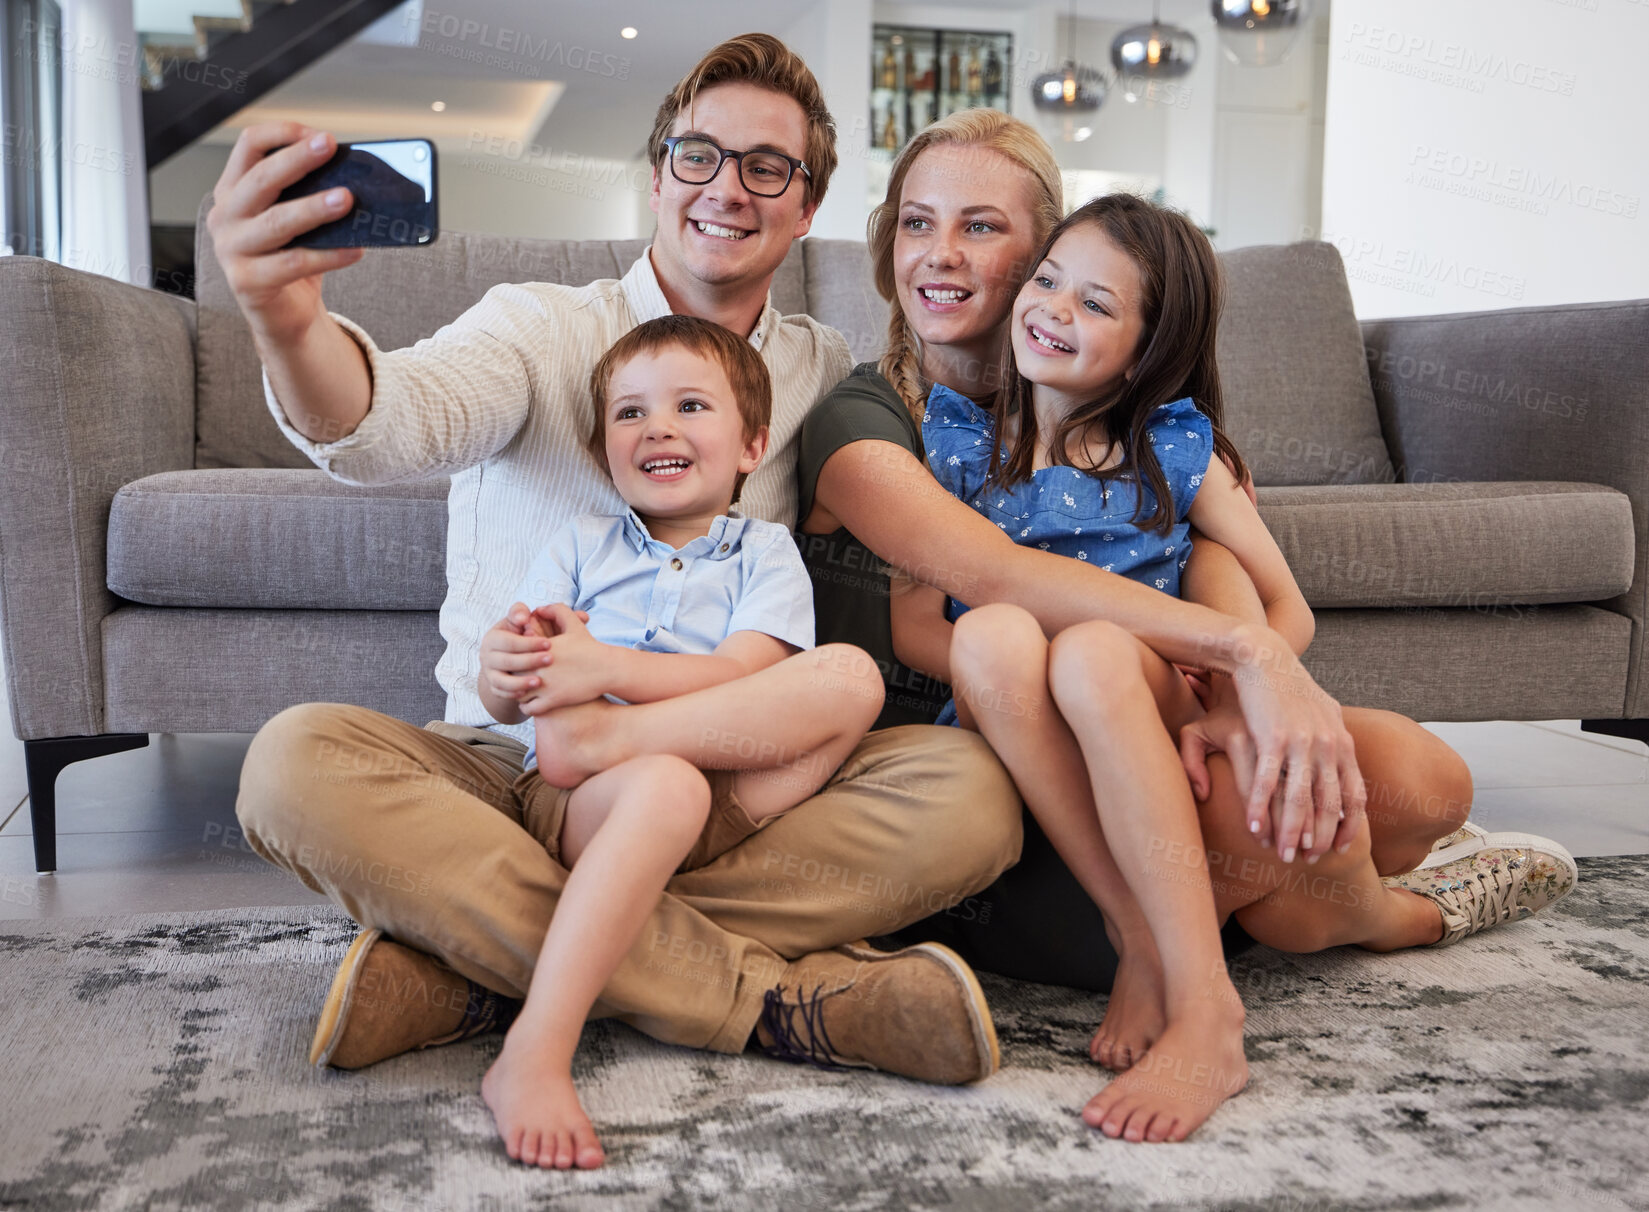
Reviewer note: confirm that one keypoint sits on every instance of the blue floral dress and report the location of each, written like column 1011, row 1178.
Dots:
column 1066, row 510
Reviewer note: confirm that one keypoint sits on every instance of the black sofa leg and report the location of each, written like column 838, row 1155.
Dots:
column 1632, row 730
column 42, row 760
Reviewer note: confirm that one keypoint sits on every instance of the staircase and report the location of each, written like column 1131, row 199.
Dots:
column 192, row 82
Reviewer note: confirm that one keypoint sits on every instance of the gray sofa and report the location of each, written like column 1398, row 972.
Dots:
column 1463, row 498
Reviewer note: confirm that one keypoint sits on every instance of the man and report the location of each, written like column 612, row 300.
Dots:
column 754, row 944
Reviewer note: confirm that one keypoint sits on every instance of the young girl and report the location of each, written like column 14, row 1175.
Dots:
column 1109, row 450
column 1108, row 434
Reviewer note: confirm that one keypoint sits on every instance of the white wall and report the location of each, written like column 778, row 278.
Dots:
column 1484, row 156
column 105, row 227
column 834, row 38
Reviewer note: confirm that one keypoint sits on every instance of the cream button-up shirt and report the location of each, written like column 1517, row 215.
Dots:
column 500, row 401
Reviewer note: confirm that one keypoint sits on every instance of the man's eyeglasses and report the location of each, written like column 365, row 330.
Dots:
column 695, row 161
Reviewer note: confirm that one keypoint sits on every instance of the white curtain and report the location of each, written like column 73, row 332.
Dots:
column 105, row 180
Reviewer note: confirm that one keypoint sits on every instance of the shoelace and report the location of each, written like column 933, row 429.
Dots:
column 486, row 1011
column 1496, row 901
column 788, row 1043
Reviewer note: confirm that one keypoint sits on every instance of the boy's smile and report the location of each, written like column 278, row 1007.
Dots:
column 675, row 441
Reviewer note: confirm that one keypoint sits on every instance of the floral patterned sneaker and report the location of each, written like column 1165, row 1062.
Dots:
column 1463, row 841
column 1509, row 876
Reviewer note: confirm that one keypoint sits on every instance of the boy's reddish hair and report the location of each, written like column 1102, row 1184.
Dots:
column 746, row 372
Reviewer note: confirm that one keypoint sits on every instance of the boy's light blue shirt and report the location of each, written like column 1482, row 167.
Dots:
column 641, row 593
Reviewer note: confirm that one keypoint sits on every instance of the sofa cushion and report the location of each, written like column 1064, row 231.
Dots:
column 278, row 539
column 400, row 296
column 1298, row 402
column 1476, row 546
column 230, row 670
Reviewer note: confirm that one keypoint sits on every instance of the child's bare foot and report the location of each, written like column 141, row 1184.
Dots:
column 1135, row 1014
column 538, row 1113
column 1194, row 1066
column 568, row 738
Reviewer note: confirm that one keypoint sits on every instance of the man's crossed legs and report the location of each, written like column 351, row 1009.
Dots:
column 425, row 835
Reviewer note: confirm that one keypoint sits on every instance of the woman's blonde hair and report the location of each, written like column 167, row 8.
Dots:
column 987, row 128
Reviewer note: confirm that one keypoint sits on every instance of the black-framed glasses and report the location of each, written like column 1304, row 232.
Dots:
column 696, row 161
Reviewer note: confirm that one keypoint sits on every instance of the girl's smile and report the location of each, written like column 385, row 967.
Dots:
column 1076, row 324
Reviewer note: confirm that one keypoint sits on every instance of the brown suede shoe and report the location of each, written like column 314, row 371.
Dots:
column 388, row 999
column 918, row 1012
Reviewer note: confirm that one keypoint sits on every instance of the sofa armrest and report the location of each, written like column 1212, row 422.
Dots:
column 1532, row 393
column 97, row 388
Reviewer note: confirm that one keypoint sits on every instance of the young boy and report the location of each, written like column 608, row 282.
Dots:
column 677, row 722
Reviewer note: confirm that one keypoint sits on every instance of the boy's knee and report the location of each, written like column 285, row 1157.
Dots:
column 849, row 672
column 673, row 785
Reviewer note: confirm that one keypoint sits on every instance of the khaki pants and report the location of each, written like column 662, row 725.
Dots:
column 419, row 832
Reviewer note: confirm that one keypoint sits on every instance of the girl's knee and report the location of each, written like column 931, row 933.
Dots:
column 998, row 644
column 1092, row 659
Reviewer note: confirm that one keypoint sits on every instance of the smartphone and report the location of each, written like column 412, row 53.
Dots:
column 393, row 182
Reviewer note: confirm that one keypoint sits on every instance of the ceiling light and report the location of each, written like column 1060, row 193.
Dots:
column 629, row 31
column 1073, row 88
column 438, row 106
column 1156, row 50
column 1258, row 33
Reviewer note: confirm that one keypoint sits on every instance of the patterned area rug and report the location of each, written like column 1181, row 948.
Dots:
column 157, row 1062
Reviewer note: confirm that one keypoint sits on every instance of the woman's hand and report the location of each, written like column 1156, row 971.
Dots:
column 1305, row 790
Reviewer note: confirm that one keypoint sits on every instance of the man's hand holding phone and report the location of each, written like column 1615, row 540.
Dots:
column 278, row 288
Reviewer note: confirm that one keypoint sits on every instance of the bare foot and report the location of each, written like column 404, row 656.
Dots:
column 567, row 742
column 538, row 1113
column 1194, row 1066
column 1135, row 1014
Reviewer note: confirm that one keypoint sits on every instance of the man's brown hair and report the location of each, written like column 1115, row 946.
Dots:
column 762, row 60
column 746, row 372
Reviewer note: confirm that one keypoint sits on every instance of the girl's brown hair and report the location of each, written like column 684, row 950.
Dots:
column 986, row 128
column 1181, row 294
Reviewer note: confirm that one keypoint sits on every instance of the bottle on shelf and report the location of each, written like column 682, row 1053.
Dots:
column 976, row 88
column 909, row 80
column 890, row 133
column 993, row 76
column 953, row 74
column 889, row 69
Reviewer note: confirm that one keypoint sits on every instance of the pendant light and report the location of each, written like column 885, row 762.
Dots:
column 1073, row 88
column 1163, row 52
column 1258, row 33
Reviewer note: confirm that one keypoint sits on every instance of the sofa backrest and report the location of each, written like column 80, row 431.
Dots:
column 1298, row 403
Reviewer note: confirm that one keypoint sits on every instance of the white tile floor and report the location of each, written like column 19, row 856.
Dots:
column 154, row 829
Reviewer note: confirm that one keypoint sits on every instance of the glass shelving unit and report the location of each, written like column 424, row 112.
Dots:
column 917, row 76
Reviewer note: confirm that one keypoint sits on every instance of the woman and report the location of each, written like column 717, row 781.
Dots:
column 968, row 203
